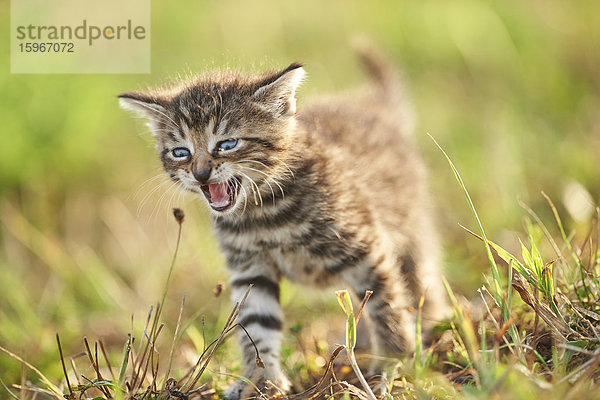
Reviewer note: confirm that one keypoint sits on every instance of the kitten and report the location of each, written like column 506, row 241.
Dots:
column 332, row 195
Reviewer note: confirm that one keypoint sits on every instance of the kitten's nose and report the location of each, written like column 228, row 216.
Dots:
column 202, row 172
column 203, row 175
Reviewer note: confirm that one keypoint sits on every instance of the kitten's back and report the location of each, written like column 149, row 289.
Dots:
column 367, row 136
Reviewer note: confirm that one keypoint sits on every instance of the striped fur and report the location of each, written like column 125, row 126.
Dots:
column 332, row 195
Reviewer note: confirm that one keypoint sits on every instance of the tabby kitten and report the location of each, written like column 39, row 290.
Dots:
column 332, row 195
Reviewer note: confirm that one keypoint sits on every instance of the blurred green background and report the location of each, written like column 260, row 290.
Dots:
column 510, row 89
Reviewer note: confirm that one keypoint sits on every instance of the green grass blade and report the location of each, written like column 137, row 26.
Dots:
column 346, row 303
column 509, row 289
column 497, row 287
column 419, row 367
column 508, row 258
column 125, row 360
column 14, row 396
column 567, row 242
column 467, row 333
column 527, row 260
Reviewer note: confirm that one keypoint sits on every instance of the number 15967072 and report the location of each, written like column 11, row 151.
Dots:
column 47, row 47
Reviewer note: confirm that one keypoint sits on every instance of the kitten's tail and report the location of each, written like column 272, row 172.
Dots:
column 387, row 81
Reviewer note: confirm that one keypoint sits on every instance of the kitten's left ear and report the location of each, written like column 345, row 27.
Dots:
column 277, row 93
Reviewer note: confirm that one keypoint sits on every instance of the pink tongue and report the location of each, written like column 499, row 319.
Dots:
column 218, row 194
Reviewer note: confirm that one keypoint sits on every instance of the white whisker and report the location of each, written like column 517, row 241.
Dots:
column 245, row 194
column 266, row 179
column 158, row 204
column 182, row 192
column 285, row 165
column 169, row 206
column 146, row 182
column 149, row 194
column 252, row 186
column 278, row 185
column 255, row 161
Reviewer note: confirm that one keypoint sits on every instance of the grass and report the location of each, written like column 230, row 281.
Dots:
column 535, row 283
column 549, row 343
column 508, row 88
column 351, row 321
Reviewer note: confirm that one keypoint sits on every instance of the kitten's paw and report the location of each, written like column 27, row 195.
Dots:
column 379, row 384
column 267, row 385
column 234, row 390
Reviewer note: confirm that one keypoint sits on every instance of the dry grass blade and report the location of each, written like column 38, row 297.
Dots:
column 587, row 368
column 229, row 326
column 259, row 361
column 368, row 295
column 592, row 330
column 136, row 362
column 492, row 318
column 313, row 392
column 94, row 364
column 62, row 361
column 56, row 392
column 107, row 360
column 36, row 390
column 137, row 365
column 355, row 391
column 172, row 351
column 555, row 323
column 597, row 248
column 147, row 360
column 504, row 328
column 74, row 367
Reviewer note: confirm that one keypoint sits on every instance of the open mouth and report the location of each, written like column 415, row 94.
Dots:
column 222, row 195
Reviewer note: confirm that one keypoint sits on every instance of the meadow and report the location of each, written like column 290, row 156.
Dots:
column 510, row 91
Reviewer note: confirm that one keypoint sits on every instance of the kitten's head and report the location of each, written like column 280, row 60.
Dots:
column 224, row 135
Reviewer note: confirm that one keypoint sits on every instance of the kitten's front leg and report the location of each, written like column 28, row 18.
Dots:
column 262, row 318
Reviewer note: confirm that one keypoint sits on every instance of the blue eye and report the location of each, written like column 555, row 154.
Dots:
column 181, row 152
column 227, row 144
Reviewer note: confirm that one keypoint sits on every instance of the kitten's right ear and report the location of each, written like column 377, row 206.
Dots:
column 147, row 105
column 150, row 107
